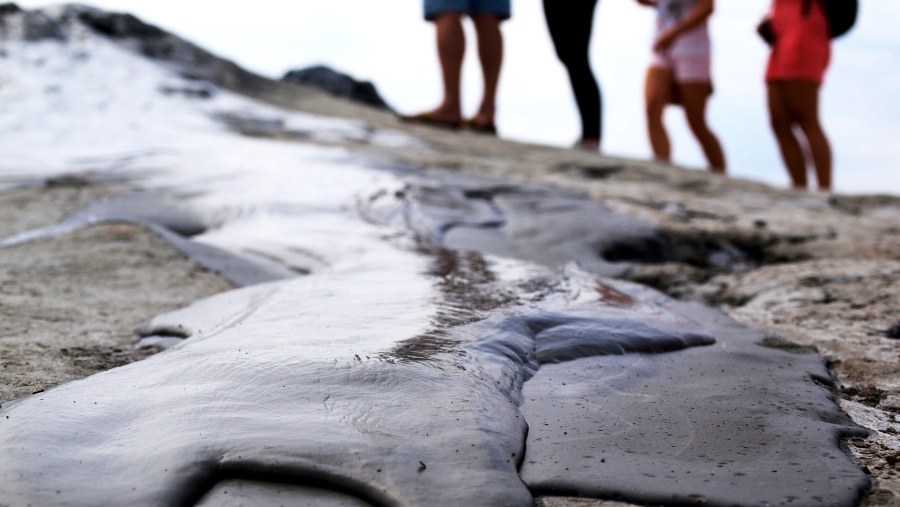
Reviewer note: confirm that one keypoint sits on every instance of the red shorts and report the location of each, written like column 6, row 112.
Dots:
column 802, row 44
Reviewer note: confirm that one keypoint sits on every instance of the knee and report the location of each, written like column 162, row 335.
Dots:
column 655, row 108
column 570, row 55
column 579, row 74
column 695, row 120
column 810, row 125
column 781, row 124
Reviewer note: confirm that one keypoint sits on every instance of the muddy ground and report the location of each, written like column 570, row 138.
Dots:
column 817, row 271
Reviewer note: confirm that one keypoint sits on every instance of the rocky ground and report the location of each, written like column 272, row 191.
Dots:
column 815, row 270
column 70, row 304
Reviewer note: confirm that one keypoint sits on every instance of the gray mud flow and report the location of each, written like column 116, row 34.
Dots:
column 427, row 375
column 414, row 362
column 327, row 395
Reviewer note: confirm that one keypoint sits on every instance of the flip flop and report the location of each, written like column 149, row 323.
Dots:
column 431, row 121
column 489, row 129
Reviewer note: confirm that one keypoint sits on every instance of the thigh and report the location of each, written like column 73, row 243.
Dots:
column 658, row 87
column 692, row 69
column 802, row 97
column 779, row 108
column 570, row 23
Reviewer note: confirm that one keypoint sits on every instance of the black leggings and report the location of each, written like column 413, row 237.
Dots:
column 570, row 23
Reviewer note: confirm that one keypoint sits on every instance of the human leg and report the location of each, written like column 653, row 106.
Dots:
column 451, row 47
column 803, row 97
column 657, row 94
column 490, row 53
column 570, row 24
column 781, row 120
column 694, row 97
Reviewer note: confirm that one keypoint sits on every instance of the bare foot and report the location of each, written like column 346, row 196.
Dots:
column 435, row 118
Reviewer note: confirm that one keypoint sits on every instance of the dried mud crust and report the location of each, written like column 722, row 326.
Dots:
column 70, row 303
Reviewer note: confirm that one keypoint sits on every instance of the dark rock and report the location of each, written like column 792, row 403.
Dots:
column 893, row 332
column 118, row 25
column 865, row 394
column 9, row 8
column 337, row 84
column 644, row 250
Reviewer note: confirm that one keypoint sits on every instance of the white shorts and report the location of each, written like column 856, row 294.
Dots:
column 685, row 68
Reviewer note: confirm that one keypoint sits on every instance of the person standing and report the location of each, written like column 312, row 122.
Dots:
column 447, row 16
column 680, row 74
column 798, row 32
column 570, row 23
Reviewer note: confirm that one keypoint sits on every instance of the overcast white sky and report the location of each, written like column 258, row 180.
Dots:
column 389, row 43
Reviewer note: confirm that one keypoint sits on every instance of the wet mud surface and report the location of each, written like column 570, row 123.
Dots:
column 480, row 377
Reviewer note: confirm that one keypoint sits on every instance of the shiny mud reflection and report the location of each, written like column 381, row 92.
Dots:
column 399, row 371
column 323, row 392
column 315, row 382
column 386, row 345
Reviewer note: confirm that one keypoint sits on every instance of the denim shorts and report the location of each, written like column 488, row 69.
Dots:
column 470, row 7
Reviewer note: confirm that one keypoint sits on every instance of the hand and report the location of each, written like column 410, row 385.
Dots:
column 664, row 42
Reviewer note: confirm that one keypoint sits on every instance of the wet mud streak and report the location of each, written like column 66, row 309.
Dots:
column 536, row 223
column 468, row 295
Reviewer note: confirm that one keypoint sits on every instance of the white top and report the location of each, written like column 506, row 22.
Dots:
column 692, row 43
